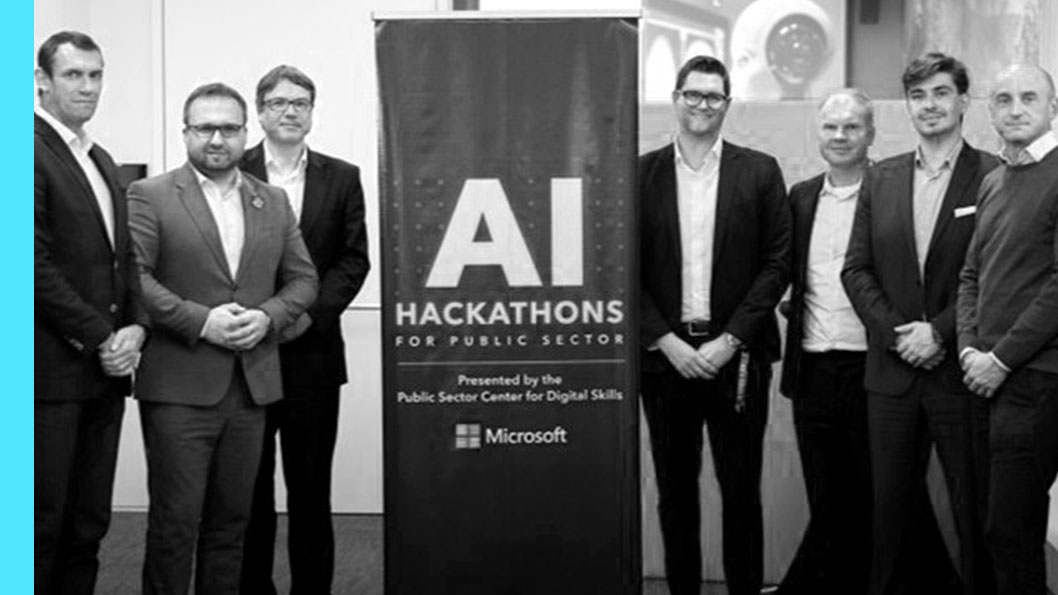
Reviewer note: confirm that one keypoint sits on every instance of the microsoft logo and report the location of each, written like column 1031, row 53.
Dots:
column 468, row 436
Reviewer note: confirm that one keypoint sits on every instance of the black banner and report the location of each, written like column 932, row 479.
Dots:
column 509, row 286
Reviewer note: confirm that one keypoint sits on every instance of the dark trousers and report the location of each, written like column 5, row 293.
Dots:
column 307, row 425
column 1024, row 463
column 75, row 447
column 830, row 419
column 201, row 465
column 902, row 428
column 675, row 410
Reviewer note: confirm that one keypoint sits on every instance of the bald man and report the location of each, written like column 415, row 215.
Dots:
column 1008, row 324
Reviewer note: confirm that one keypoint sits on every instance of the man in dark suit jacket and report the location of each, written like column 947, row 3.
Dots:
column 822, row 373
column 86, row 338
column 326, row 196
column 224, row 272
column 714, row 241
column 913, row 222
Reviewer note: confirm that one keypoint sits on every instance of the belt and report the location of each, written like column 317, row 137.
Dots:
column 697, row 328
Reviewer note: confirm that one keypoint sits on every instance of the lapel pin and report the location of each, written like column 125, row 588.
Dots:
column 257, row 202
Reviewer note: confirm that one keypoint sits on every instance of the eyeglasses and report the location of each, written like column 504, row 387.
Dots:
column 206, row 131
column 280, row 104
column 695, row 98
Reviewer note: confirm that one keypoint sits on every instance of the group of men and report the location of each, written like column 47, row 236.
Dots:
column 923, row 312
column 216, row 298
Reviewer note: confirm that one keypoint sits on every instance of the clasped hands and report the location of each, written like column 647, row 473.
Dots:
column 703, row 363
column 236, row 327
column 983, row 374
column 120, row 352
column 917, row 345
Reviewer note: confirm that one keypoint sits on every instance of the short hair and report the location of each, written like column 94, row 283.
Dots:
column 214, row 90
column 48, row 49
column 931, row 63
column 707, row 65
column 284, row 73
column 859, row 96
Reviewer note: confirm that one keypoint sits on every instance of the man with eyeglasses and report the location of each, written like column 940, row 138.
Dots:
column 224, row 272
column 327, row 199
column 913, row 222
column 1008, row 324
column 714, row 241
column 87, row 326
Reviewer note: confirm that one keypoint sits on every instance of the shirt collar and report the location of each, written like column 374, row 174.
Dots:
column 1035, row 152
column 949, row 159
column 272, row 163
column 716, row 150
column 205, row 182
column 77, row 141
column 841, row 193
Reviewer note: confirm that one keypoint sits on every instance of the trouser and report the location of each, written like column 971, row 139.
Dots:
column 902, row 428
column 75, row 448
column 307, row 426
column 1024, row 463
column 675, row 410
column 201, row 466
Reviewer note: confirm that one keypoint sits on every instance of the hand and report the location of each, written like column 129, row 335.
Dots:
column 296, row 329
column 220, row 323
column 917, row 346
column 983, row 374
column 717, row 353
column 250, row 327
column 120, row 353
column 687, row 361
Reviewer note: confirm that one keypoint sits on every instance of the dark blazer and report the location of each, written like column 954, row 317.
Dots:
column 82, row 286
column 881, row 273
column 804, row 198
column 184, row 273
column 751, row 255
column 332, row 225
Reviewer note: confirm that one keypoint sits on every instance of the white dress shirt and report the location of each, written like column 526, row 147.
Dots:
column 226, row 206
column 930, row 187
column 80, row 145
column 293, row 182
column 830, row 321
column 696, row 191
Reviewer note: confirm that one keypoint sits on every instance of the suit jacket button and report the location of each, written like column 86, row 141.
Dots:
column 113, row 308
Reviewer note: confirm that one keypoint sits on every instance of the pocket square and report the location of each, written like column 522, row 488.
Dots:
column 964, row 211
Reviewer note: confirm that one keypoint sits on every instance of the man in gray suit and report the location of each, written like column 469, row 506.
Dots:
column 224, row 272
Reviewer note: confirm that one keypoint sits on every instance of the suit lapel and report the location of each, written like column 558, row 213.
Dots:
column 901, row 182
column 253, row 207
column 117, row 198
column 55, row 143
column 725, row 195
column 315, row 185
column 668, row 203
column 806, row 221
column 194, row 202
column 965, row 168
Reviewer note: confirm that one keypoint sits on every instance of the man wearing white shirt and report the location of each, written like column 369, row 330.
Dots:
column 714, row 246
column 87, row 329
column 224, row 273
column 327, row 199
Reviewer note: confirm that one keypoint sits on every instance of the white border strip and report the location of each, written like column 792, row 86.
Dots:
column 490, row 15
